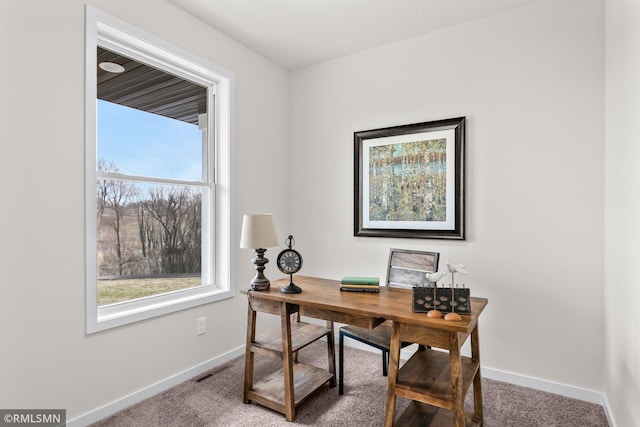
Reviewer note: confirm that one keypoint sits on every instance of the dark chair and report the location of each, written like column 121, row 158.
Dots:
column 406, row 269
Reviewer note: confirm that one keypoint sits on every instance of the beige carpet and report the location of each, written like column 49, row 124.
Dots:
column 217, row 400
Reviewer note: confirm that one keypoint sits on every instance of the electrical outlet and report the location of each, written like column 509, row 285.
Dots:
column 201, row 327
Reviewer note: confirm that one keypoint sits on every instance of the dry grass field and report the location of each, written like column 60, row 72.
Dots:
column 112, row 291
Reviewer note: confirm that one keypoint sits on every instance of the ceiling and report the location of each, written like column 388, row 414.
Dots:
column 292, row 33
column 148, row 89
column 299, row 33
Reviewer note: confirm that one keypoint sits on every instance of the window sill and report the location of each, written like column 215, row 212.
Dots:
column 120, row 314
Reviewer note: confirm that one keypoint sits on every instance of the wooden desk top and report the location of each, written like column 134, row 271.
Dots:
column 390, row 303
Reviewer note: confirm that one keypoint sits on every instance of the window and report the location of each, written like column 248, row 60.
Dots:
column 157, row 177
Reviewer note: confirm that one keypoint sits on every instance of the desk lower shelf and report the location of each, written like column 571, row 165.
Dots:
column 426, row 377
column 269, row 391
column 302, row 334
column 421, row 414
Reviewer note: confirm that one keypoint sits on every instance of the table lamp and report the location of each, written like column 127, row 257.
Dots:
column 259, row 233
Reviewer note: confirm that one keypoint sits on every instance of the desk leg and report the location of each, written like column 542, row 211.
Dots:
column 341, row 366
column 457, row 395
column 394, row 363
column 248, row 361
column 287, row 362
column 477, row 380
column 331, row 349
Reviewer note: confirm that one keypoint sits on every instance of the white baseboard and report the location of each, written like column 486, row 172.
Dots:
column 573, row 392
column 140, row 395
column 607, row 411
column 579, row 393
column 543, row 385
column 495, row 374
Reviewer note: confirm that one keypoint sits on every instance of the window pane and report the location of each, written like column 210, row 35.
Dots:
column 147, row 144
column 149, row 239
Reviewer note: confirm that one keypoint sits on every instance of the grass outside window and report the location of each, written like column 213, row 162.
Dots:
column 111, row 291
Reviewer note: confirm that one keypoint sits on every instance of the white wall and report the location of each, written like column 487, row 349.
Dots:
column 46, row 360
column 622, row 317
column 530, row 83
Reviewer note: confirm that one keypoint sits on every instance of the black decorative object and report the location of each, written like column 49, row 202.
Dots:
column 290, row 262
column 448, row 300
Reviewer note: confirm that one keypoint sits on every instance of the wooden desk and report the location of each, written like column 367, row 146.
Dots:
column 322, row 299
column 436, row 381
column 288, row 387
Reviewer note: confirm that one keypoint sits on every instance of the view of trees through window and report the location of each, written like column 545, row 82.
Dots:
column 149, row 234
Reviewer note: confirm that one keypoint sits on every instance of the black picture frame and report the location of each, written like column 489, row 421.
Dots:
column 409, row 181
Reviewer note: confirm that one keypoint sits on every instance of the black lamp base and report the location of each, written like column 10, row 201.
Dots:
column 260, row 285
column 260, row 282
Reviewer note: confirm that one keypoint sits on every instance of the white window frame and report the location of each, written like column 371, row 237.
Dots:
column 106, row 31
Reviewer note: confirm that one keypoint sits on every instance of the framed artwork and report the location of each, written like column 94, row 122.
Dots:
column 409, row 268
column 409, row 181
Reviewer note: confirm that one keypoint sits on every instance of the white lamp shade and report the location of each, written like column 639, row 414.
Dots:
column 258, row 231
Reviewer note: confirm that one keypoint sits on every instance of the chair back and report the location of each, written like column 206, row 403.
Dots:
column 408, row 268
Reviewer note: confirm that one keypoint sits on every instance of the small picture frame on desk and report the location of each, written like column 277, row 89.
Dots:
column 409, row 268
